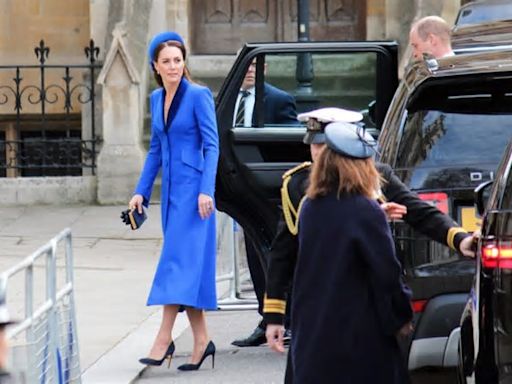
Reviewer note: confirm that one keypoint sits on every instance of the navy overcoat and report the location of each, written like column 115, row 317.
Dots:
column 348, row 301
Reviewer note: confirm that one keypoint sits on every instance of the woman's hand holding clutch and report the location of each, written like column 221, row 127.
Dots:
column 136, row 203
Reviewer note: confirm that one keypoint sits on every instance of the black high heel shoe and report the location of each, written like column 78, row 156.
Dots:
column 210, row 350
column 168, row 355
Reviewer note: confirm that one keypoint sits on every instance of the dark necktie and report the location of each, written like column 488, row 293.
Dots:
column 240, row 114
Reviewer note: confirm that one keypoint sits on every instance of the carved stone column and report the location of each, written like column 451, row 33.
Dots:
column 121, row 157
column 178, row 20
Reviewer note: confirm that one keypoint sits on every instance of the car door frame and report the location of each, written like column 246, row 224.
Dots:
column 237, row 194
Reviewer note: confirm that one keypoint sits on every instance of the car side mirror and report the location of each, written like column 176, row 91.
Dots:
column 482, row 196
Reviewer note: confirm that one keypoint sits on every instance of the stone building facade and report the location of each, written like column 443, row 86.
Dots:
column 213, row 30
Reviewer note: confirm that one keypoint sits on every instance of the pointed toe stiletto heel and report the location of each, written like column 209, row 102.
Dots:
column 210, row 350
column 168, row 355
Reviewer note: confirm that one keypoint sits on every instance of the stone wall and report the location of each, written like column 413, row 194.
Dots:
column 64, row 25
column 48, row 190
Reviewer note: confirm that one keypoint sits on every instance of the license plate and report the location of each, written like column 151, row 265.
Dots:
column 468, row 219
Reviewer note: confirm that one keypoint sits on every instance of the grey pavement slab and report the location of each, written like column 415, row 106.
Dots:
column 113, row 272
column 113, row 267
column 42, row 221
column 120, row 364
column 233, row 365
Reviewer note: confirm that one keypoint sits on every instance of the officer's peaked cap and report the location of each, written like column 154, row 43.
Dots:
column 329, row 115
column 162, row 38
column 321, row 117
column 349, row 140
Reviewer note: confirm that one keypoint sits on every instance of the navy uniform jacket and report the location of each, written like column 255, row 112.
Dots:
column 279, row 107
column 347, row 290
column 422, row 216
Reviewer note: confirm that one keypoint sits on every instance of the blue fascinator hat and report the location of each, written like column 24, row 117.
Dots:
column 349, row 140
column 162, row 38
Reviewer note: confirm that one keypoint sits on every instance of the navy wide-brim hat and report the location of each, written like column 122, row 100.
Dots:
column 162, row 38
column 349, row 140
column 312, row 137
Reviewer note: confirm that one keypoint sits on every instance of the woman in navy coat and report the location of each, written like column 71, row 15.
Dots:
column 348, row 302
column 184, row 146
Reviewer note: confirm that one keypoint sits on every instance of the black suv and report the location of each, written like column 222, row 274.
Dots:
column 486, row 324
column 444, row 133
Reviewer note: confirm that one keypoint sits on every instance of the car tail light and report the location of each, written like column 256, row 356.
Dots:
column 418, row 306
column 437, row 199
column 497, row 255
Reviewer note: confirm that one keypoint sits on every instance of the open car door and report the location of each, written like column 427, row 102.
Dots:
column 254, row 154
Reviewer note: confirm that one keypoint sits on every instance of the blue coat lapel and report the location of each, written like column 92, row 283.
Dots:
column 176, row 102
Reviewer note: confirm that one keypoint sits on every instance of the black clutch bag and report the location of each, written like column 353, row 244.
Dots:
column 133, row 218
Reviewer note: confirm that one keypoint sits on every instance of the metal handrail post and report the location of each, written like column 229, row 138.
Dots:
column 231, row 276
column 29, row 312
column 51, row 294
column 234, row 301
column 236, row 267
column 53, row 357
column 69, row 279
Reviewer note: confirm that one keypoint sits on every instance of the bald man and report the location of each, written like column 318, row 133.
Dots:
column 431, row 35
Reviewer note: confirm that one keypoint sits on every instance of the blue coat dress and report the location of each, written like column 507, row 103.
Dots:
column 186, row 150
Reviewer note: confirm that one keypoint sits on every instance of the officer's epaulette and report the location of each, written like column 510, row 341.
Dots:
column 291, row 213
column 296, row 169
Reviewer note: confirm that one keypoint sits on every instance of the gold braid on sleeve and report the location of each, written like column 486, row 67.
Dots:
column 450, row 237
column 289, row 212
column 291, row 215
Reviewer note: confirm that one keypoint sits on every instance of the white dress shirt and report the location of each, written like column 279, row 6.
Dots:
column 249, row 107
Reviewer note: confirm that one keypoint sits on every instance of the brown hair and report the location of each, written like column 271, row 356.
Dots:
column 335, row 173
column 170, row 43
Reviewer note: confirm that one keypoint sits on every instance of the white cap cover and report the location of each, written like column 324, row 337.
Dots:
column 329, row 115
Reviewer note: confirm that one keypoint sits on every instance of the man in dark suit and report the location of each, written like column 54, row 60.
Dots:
column 279, row 106
column 279, row 109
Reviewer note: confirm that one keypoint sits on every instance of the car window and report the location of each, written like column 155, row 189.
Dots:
column 440, row 139
column 484, row 13
column 300, row 82
column 389, row 139
column 346, row 80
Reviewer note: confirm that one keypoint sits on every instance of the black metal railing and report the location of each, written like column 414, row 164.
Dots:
column 47, row 116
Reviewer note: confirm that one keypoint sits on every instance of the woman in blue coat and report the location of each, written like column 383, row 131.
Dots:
column 348, row 302
column 184, row 146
